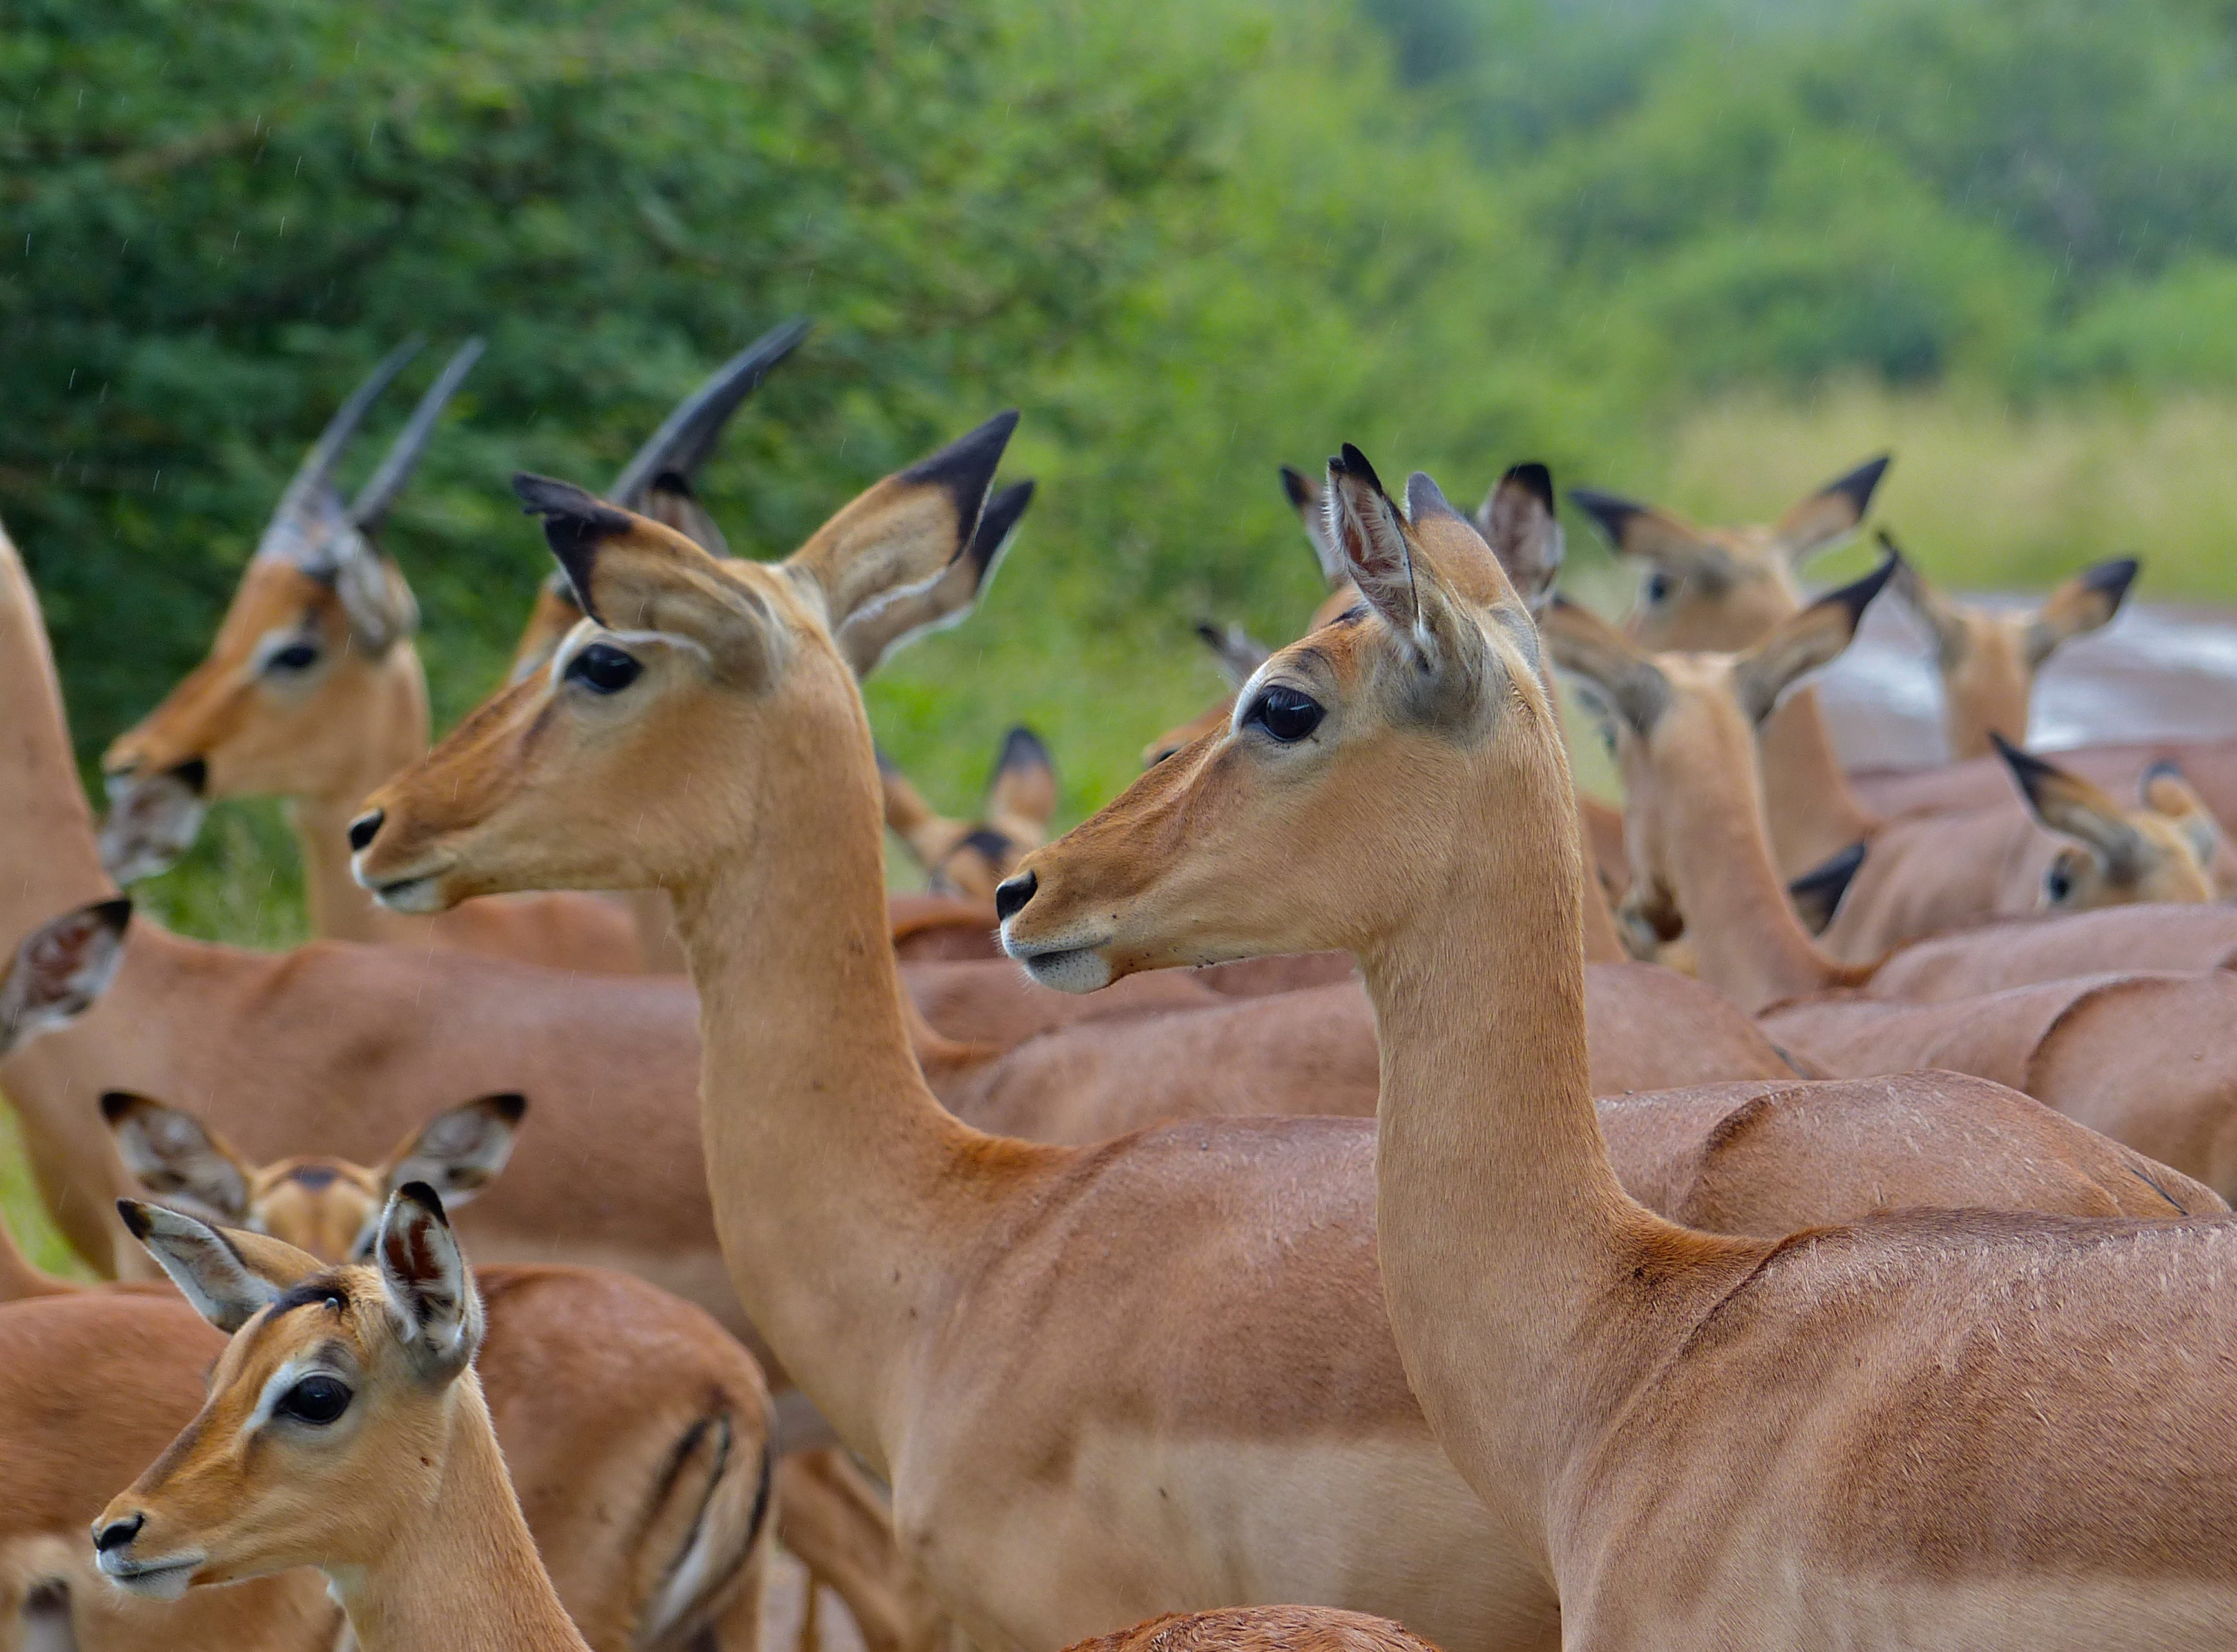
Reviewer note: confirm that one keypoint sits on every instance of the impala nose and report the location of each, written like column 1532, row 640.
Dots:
column 1012, row 894
column 117, row 1533
column 363, row 828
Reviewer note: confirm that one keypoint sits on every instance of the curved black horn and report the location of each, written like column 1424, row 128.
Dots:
column 316, row 472
column 378, row 493
column 686, row 436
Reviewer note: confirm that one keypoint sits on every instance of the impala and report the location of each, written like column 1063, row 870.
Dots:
column 1103, row 1381
column 1988, row 659
column 2144, row 1056
column 968, row 857
column 1920, row 1429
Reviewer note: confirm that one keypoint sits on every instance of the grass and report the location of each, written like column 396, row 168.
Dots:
column 1982, row 494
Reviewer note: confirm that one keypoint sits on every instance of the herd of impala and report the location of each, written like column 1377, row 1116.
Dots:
column 1788, row 1212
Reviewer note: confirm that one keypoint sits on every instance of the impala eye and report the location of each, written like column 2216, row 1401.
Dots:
column 603, row 669
column 1659, row 587
column 296, row 656
column 316, row 1401
column 1286, row 714
column 2058, row 882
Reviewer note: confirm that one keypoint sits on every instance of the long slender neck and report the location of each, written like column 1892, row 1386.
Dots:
column 1510, row 1252
column 394, row 737
column 20, row 1278
column 467, row 1577
column 1747, row 941
column 47, row 861
column 1814, row 813
column 844, row 1196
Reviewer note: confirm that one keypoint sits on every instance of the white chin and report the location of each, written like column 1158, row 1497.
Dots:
column 1083, row 969
column 419, row 898
column 167, row 1584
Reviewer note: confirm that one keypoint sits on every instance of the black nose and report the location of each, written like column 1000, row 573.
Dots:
column 1012, row 894
column 364, row 827
column 117, row 1533
column 194, row 774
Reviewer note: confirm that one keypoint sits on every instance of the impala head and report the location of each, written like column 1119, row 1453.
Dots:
column 1406, row 728
column 59, row 969
column 2162, row 852
column 669, row 732
column 970, row 858
column 657, row 482
column 1681, row 722
column 328, row 1414
column 311, row 666
column 324, row 1207
column 1722, row 589
column 1516, row 518
column 1988, row 659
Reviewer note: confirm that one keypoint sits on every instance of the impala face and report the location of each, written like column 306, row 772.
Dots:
column 1214, row 855
column 594, row 772
column 1719, row 589
column 2162, row 852
column 328, row 1412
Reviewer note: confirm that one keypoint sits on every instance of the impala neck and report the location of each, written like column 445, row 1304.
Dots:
column 20, row 1277
column 467, row 1577
column 843, row 1195
column 1814, row 813
column 1508, row 1248
column 395, row 736
column 1748, row 943
column 48, row 861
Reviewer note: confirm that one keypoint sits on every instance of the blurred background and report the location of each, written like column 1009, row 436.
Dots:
column 1709, row 253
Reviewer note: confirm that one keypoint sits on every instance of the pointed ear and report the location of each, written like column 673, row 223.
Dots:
column 228, row 1276
column 1635, row 529
column 1022, row 788
column 1369, row 534
column 2084, row 604
column 1831, row 514
column 1817, row 894
column 631, row 574
column 376, row 602
column 871, row 634
column 2069, row 805
column 1943, row 618
column 439, row 1312
column 1238, row 654
column 1306, row 498
column 670, row 501
column 460, row 1151
column 1610, row 665
column 1813, row 638
column 1517, row 521
column 60, row 969
column 897, row 538
column 2166, row 792
column 175, row 1157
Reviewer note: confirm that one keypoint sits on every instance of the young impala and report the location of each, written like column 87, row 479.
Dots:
column 1103, row 1381
column 1930, row 1429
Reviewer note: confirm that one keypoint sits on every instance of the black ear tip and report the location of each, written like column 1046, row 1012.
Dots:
column 419, row 1194
column 1859, row 483
column 2166, row 769
column 1300, row 491
column 1535, row 479
column 2112, row 579
column 1833, row 877
column 1425, row 498
column 1022, row 749
column 2026, row 766
column 1209, row 634
column 1859, row 597
column 1558, row 602
column 999, row 520
column 115, row 1104
column 113, row 914
column 509, row 1105
column 1609, row 511
column 136, row 1219
column 966, row 466
column 1353, row 463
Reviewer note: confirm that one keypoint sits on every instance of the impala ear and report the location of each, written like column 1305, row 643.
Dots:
column 175, row 1157
column 1022, row 788
column 375, row 600
column 2067, row 804
column 1817, row 894
column 424, row 1276
column 2166, row 792
column 1619, row 678
column 1306, row 498
column 227, row 1275
column 1409, row 592
column 1801, row 644
column 460, row 1151
column 1831, row 514
column 1238, row 654
column 2084, row 604
column 1943, row 618
column 1634, row 530
column 60, row 969
column 871, row 634
column 633, row 575
column 1517, row 521
column 894, row 540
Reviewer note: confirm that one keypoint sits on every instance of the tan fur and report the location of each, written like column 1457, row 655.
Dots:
column 970, row 858
column 2209, row 766
column 1103, row 1381
column 1916, row 1430
column 1260, row 1628
column 323, row 744
column 1687, row 787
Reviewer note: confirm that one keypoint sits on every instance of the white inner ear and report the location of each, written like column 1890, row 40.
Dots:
column 211, row 1278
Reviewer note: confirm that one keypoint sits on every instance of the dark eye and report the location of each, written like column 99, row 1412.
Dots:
column 316, row 1401
column 1658, row 587
column 1286, row 714
column 602, row 670
column 2058, row 882
column 296, row 656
